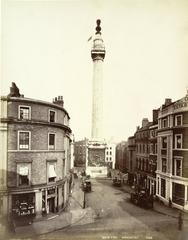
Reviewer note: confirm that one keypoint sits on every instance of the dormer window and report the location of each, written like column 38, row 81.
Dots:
column 24, row 112
column 52, row 116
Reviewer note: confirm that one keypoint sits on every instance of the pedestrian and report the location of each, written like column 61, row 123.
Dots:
column 170, row 203
column 180, row 221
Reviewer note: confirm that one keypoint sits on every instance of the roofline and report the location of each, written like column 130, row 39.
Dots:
column 35, row 101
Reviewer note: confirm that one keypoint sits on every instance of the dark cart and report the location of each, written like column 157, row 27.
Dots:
column 86, row 186
column 142, row 199
column 117, row 182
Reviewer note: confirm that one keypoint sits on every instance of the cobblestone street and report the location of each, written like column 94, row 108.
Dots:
column 115, row 217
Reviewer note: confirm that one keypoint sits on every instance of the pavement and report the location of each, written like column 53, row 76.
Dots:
column 161, row 207
column 74, row 214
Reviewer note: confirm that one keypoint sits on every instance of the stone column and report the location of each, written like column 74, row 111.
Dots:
column 60, row 197
column 38, row 204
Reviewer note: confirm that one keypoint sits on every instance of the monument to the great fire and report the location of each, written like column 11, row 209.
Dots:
column 95, row 159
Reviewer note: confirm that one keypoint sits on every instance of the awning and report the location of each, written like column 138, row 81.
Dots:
column 23, row 171
column 52, row 173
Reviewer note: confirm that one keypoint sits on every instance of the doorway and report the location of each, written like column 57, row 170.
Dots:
column 51, row 204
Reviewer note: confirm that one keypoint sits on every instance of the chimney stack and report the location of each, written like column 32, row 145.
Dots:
column 168, row 101
column 155, row 115
column 59, row 101
column 144, row 122
column 14, row 91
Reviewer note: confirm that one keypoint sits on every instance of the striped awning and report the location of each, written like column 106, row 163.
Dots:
column 52, row 173
column 24, row 171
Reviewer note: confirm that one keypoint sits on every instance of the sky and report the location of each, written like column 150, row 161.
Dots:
column 44, row 50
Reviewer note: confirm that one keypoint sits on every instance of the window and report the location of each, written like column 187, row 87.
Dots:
column 178, row 141
column 24, row 112
column 51, row 172
column 23, row 140
column 178, row 120
column 51, row 116
column 155, row 148
column 51, row 141
column 163, row 188
column 178, row 167
column 164, row 142
column 164, row 123
column 23, row 174
column 164, row 165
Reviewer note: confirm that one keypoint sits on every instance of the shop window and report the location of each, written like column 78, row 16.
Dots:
column 23, row 140
column 25, row 112
column 51, row 173
column 178, row 193
column 164, row 142
column 178, row 141
column 163, row 188
column 52, row 115
column 178, row 167
column 51, row 141
column 23, row 204
column 178, row 120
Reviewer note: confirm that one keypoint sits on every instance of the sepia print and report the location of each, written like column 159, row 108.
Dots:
column 94, row 119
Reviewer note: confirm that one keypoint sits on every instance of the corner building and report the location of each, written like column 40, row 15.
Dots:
column 172, row 157
column 35, row 155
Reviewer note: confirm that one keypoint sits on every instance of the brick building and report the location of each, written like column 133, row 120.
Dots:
column 151, row 175
column 80, row 148
column 121, row 157
column 131, row 162
column 142, row 153
column 110, row 154
column 172, row 159
column 35, row 155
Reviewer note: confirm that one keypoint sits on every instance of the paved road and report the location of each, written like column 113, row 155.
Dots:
column 116, row 218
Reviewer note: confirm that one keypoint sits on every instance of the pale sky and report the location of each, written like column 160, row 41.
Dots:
column 46, row 53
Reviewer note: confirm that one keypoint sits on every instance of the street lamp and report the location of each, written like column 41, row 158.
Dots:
column 84, row 201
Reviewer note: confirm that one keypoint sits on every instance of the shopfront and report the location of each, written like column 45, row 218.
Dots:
column 23, row 204
column 178, row 193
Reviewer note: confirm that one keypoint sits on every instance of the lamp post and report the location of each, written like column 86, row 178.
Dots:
column 84, row 201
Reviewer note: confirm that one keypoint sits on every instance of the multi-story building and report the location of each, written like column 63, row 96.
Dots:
column 35, row 155
column 110, row 155
column 121, row 157
column 142, row 153
column 131, row 163
column 152, row 166
column 80, row 148
column 172, row 160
